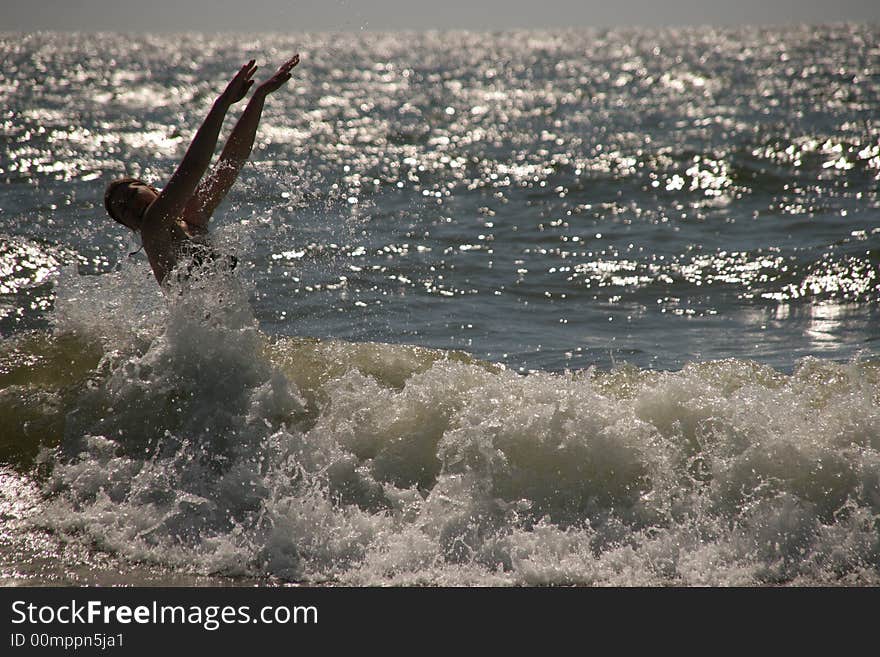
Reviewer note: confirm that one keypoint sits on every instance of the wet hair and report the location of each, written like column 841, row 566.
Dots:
column 111, row 189
column 116, row 184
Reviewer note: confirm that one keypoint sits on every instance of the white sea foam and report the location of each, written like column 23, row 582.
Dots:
column 208, row 447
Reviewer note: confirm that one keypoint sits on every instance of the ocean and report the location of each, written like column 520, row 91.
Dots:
column 574, row 307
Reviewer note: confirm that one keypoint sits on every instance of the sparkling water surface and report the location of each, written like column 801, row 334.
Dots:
column 673, row 233
column 548, row 200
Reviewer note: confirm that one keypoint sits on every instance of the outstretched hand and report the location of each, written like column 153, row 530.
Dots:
column 240, row 84
column 282, row 75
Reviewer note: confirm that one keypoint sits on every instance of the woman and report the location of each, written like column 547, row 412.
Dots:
column 173, row 221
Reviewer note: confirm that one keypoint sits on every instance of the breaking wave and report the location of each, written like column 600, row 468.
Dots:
column 176, row 434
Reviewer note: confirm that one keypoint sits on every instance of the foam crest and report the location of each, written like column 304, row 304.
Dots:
column 207, row 447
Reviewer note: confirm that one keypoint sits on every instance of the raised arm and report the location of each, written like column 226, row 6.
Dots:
column 185, row 179
column 236, row 152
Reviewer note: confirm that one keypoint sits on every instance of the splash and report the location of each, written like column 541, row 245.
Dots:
column 198, row 443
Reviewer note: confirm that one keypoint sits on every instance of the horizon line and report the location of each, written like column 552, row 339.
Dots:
column 477, row 30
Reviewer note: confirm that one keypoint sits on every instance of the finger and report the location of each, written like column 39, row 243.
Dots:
column 245, row 71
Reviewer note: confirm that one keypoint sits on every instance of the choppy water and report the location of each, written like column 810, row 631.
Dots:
column 522, row 308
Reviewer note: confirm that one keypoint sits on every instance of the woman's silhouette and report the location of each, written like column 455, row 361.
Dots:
column 173, row 222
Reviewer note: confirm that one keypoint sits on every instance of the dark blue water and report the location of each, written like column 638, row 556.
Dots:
column 675, row 233
column 546, row 200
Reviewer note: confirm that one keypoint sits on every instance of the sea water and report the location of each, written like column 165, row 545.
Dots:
column 522, row 308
